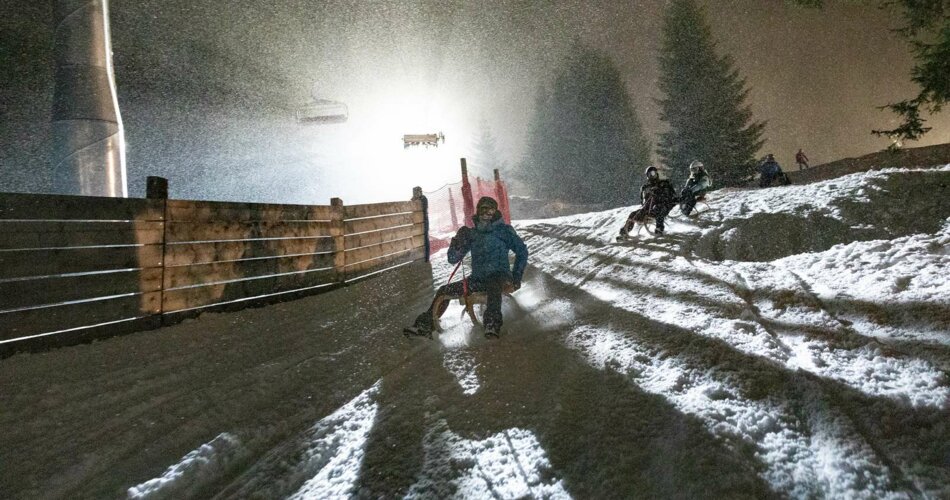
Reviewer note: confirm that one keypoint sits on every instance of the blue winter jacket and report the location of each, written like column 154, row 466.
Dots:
column 490, row 248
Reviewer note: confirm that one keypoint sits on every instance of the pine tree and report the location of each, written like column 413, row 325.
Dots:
column 704, row 102
column 586, row 143
column 533, row 171
column 486, row 157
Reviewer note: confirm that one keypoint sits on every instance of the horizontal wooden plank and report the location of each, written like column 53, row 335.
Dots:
column 58, row 234
column 181, row 254
column 378, row 223
column 224, row 230
column 65, row 207
column 81, row 335
column 27, row 263
column 179, row 276
column 53, row 290
column 353, row 241
column 48, row 319
column 370, row 266
column 378, row 250
column 200, row 296
column 377, row 209
column 189, row 210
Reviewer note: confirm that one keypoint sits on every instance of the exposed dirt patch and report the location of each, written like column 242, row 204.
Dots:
column 910, row 203
column 765, row 237
column 891, row 207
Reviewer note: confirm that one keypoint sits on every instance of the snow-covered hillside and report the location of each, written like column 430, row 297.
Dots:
column 792, row 341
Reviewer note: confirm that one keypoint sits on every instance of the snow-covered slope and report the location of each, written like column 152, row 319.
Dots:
column 793, row 341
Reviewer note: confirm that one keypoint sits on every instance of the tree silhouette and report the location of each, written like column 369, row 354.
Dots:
column 704, row 102
column 586, row 143
column 927, row 29
column 485, row 155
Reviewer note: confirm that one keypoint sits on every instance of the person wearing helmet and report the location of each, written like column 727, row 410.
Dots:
column 770, row 171
column 657, row 198
column 697, row 186
column 489, row 241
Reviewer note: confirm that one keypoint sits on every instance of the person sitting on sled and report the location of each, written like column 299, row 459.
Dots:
column 657, row 198
column 697, row 186
column 489, row 242
column 771, row 172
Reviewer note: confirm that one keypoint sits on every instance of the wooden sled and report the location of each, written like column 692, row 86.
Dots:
column 646, row 222
column 468, row 302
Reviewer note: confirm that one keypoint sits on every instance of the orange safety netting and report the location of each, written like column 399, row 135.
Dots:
column 453, row 205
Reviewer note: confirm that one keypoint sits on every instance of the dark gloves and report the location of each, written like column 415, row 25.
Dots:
column 463, row 238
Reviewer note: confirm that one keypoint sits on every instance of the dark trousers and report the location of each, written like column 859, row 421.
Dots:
column 493, row 286
column 688, row 200
column 655, row 211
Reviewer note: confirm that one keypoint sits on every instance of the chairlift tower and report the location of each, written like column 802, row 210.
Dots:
column 88, row 155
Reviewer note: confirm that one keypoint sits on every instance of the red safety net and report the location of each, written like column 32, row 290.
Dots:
column 453, row 205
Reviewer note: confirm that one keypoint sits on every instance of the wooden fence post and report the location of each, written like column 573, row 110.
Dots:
column 417, row 195
column 501, row 195
column 468, row 205
column 156, row 188
column 452, row 212
column 337, row 229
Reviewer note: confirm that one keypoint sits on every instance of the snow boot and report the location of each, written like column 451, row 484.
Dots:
column 416, row 331
column 492, row 332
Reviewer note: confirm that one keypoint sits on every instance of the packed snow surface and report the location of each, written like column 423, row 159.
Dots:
column 790, row 342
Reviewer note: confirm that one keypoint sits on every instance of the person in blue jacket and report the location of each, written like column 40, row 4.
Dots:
column 490, row 241
column 771, row 172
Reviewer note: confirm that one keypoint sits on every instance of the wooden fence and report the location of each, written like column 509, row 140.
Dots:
column 74, row 268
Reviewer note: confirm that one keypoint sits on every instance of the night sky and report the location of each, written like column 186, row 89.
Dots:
column 207, row 88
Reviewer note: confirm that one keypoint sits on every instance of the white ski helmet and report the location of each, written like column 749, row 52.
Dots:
column 655, row 173
column 696, row 166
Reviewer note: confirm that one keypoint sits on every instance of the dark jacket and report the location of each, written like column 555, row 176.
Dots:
column 700, row 181
column 661, row 191
column 770, row 168
column 490, row 249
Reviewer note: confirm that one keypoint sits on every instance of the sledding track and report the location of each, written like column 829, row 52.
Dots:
column 807, row 436
column 637, row 370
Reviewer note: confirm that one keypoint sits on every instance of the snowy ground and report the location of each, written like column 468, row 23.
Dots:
column 789, row 342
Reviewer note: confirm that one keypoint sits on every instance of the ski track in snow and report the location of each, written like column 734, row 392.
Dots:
column 510, row 464
column 765, row 310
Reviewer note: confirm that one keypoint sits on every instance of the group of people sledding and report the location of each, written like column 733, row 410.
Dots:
column 491, row 240
column 657, row 197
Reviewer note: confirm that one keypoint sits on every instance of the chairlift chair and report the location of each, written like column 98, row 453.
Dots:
column 322, row 111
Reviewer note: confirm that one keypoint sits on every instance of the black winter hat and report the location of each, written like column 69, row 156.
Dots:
column 486, row 200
